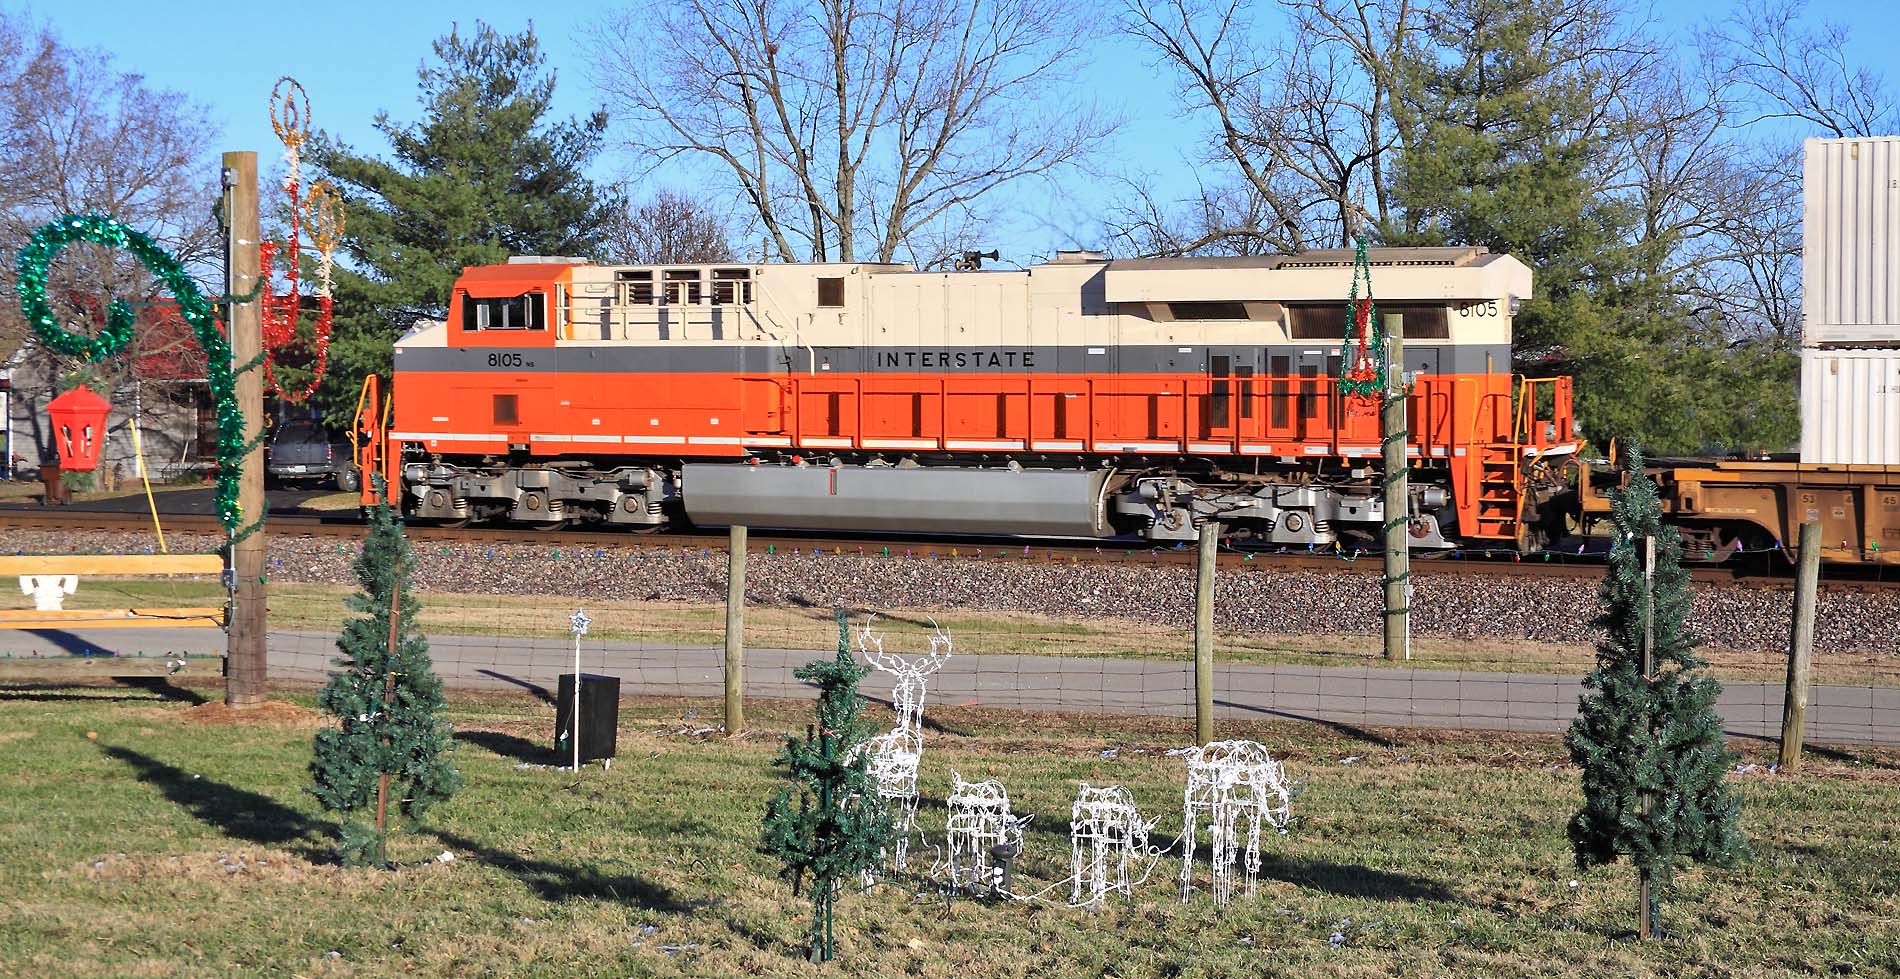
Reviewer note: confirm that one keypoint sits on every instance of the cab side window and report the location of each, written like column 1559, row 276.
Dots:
column 527, row 312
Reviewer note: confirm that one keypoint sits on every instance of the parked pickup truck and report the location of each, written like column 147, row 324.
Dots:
column 306, row 452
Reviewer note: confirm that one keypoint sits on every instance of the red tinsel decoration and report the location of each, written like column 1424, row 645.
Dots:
column 290, row 118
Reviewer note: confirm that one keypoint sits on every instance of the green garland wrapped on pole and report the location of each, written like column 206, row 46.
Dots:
column 36, row 259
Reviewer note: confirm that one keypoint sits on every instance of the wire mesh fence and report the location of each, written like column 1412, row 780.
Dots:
column 1490, row 653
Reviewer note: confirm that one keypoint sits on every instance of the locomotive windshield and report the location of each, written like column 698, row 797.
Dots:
column 527, row 312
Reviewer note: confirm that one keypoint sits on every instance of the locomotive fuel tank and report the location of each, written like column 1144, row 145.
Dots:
column 951, row 500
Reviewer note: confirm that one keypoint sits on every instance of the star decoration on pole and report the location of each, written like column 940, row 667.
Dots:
column 579, row 622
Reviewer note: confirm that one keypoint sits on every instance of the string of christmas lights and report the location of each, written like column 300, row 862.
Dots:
column 322, row 210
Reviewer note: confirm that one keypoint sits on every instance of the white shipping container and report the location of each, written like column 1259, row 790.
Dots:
column 1850, row 262
column 1850, row 406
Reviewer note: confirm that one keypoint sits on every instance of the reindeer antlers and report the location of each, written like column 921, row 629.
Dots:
column 871, row 645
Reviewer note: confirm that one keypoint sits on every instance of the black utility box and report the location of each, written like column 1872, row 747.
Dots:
column 600, row 716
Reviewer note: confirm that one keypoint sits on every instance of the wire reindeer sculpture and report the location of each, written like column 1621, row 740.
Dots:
column 983, row 836
column 896, row 754
column 1106, row 837
column 1230, row 781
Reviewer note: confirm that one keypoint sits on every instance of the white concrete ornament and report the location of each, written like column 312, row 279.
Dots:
column 980, row 824
column 49, row 591
column 896, row 754
column 1230, row 782
column 1106, row 838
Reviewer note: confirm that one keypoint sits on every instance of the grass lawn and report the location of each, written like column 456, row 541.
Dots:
column 31, row 491
column 137, row 840
column 333, row 502
column 319, row 607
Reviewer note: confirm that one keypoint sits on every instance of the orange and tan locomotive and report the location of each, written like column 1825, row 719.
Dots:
column 1079, row 397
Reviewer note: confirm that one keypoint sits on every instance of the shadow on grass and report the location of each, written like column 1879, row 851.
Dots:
column 47, row 693
column 237, row 813
column 164, row 688
column 512, row 746
column 1352, row 880
column 1350, row 730
column 561, row 882
column 930, row 723
column 1843, row 754
column 540, row 692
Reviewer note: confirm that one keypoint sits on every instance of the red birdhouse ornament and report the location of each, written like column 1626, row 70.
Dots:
column 79, row 428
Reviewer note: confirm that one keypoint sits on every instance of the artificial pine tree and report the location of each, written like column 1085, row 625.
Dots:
column 839, row 825
column 1647, row 735
column 390, row 743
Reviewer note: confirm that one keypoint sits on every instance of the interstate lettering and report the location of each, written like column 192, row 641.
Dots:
column 957, row 359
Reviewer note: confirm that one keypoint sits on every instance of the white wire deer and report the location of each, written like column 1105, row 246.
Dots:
column 1106, row 836
column 1229, row 781
column 979, row 827
column 895, row 755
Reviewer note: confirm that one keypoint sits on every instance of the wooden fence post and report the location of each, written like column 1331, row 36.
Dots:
column 1398, row 540
column 1794, row 705
column 735, row 632
column 1204, row 634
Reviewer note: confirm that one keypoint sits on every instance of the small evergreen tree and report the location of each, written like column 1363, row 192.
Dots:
column 839, row 825
column 487, row 170
column 1650, row 742
column 390, row 744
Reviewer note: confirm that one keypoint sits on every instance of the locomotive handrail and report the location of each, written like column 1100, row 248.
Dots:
column 375, row 432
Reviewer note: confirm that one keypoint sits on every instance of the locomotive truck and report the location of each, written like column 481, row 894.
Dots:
column 1079, row 397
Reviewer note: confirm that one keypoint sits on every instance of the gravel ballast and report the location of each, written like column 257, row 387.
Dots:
column 1445, row 605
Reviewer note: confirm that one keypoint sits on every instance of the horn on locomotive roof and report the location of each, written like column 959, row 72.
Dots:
column 971, row 261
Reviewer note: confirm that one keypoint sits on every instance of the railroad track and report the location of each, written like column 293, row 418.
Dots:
column 1040, row 551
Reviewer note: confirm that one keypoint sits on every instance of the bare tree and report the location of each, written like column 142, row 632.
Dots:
column 84, row 138
column 1774, row 77
column 1305, row 125
column 1719, row 209
column 1225, row 219
column 669, row 228
column 1786, row 68
column 851, row 127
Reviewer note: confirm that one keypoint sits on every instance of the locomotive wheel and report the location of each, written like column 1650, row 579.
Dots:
column 551, row 525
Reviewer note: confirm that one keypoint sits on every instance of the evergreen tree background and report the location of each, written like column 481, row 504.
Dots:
column 382, row 728
column 1510, row 142
column 483, row 176
column 1651, row 748
column 838, row 825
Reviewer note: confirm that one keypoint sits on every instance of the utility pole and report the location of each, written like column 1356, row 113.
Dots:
column 245, row 661
column 735, row 632
column 1794, row 706
column 1398, row 558
column 1204, row 634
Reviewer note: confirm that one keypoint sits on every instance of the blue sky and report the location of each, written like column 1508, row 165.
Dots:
column 356, row 58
